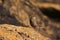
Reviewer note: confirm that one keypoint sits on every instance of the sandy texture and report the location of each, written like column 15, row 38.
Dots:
column 11, row 32
column 29, row 20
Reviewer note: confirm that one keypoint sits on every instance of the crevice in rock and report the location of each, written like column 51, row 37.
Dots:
column 51, row 13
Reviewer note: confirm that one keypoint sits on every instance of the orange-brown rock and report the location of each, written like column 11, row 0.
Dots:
column 29, row 20
column 11, row 32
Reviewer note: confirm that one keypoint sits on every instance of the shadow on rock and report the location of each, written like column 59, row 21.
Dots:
column 6, row 18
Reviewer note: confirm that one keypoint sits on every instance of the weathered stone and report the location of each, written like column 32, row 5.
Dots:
column 30, row 13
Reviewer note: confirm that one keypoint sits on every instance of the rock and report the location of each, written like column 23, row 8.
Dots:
column 11, row 32
column 27, row 20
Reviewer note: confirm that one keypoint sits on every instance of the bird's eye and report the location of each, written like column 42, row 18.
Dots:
column 51, row 13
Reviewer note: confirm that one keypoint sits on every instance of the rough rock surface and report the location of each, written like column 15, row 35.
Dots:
column 11, row 32
column 29, row 20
